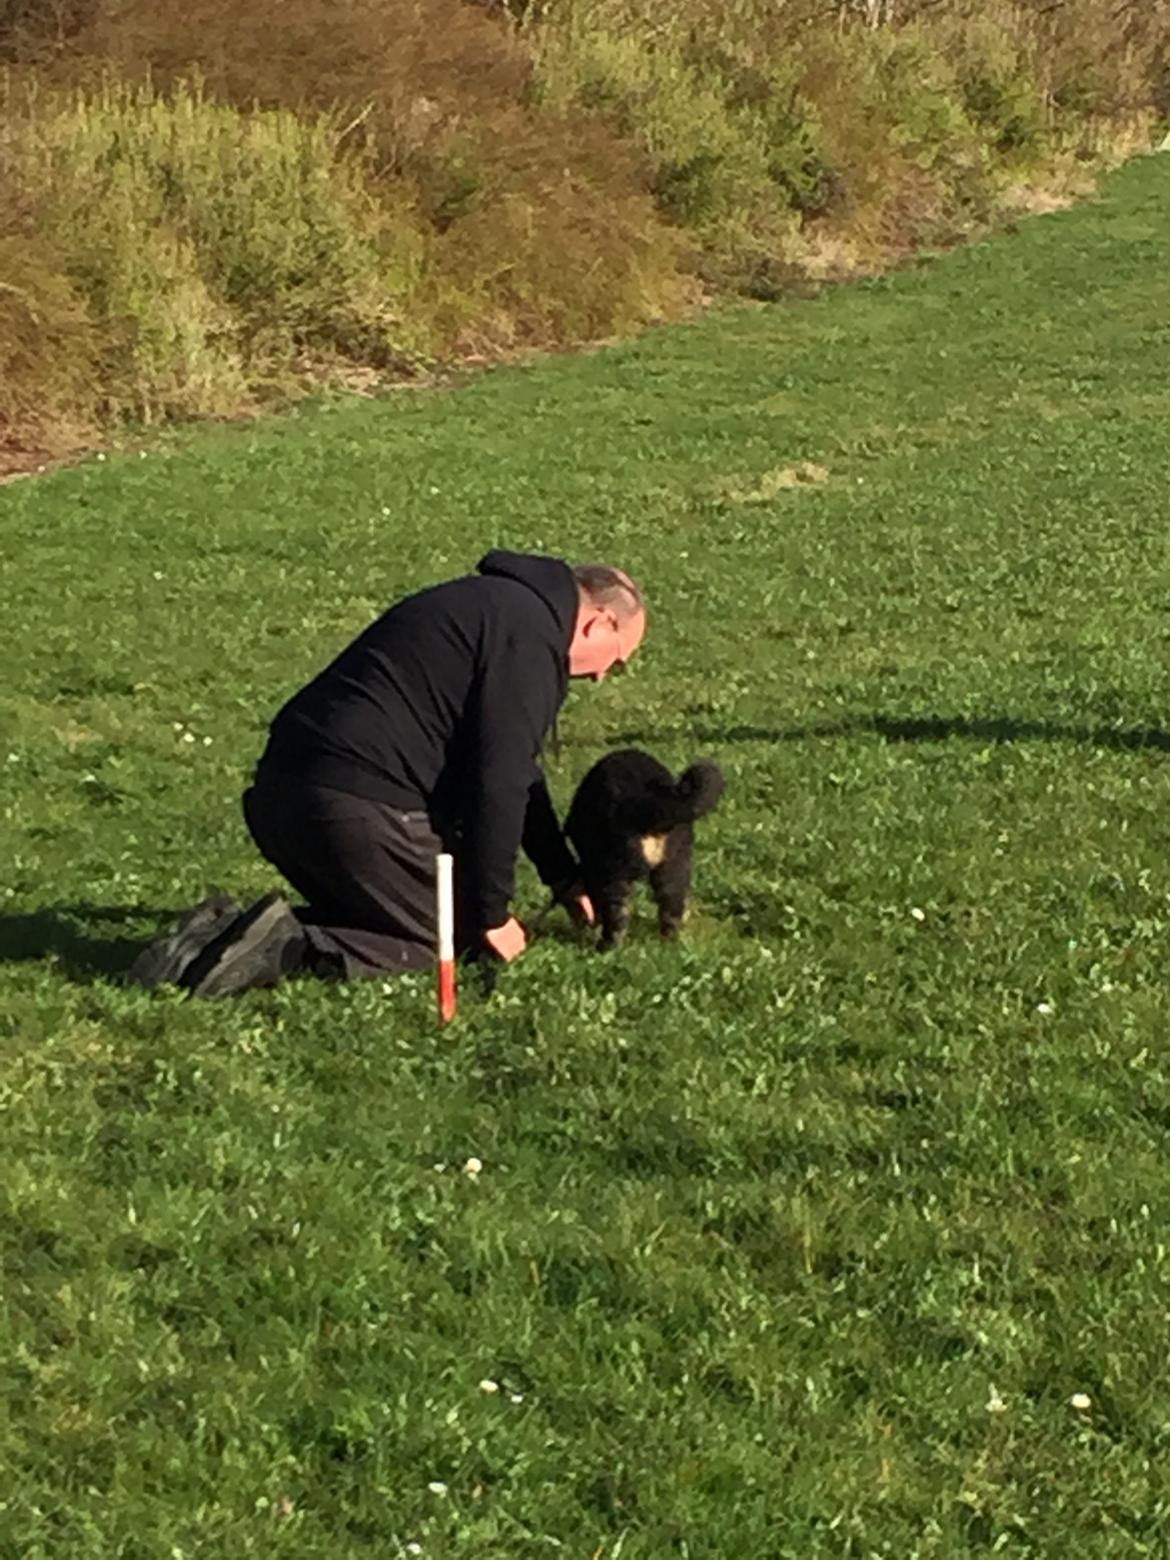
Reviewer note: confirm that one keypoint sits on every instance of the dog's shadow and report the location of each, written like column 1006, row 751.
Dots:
column 989, row 729
column 76, row 938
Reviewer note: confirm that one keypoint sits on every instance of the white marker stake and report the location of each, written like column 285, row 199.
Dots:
column 445, row 895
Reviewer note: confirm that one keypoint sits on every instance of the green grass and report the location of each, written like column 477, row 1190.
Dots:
column 764, row 1220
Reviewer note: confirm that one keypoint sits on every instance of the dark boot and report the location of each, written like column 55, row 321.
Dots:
column 165, row 960
column 259, row 948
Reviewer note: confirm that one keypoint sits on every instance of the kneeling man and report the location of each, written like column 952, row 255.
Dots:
column 423, row 735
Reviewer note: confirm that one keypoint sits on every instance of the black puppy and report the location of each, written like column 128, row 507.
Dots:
column 632, row 819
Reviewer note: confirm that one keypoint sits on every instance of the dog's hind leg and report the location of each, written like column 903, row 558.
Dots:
column 670, row 883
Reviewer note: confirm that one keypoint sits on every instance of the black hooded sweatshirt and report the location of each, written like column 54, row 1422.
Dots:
column 442, row 705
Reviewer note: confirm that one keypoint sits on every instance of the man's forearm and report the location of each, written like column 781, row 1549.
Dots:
column 491, row 846
column 544, row 840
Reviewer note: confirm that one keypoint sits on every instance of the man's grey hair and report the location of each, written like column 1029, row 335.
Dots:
column 602, row 586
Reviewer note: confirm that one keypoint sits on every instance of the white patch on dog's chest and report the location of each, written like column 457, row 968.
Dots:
column 653, row 849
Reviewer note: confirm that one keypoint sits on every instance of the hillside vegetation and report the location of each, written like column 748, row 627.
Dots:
column 208, row 208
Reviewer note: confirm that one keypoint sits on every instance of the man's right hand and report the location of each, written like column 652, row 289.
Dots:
column 507, row 942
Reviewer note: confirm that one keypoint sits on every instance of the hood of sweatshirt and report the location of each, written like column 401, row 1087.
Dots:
column 549, row 578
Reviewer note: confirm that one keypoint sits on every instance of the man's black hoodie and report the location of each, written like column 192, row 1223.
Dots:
column 442, row 705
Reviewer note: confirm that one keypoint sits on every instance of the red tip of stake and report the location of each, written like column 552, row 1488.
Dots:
column 446, row 990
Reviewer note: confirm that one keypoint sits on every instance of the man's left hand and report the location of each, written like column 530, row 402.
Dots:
column 579, row 905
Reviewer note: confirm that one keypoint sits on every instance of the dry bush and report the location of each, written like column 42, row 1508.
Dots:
column 531, row 227
column 381, row 190
column 554, row 248
column 412, row 69
column 762, row 153
column 1095, row 61
column 35, row 30
column 910, row 166
column 48, row 343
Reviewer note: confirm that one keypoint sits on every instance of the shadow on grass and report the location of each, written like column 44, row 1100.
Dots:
column 928, row 728
column 76, row 939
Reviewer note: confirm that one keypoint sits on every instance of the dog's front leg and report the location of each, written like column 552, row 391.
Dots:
column 614, row 914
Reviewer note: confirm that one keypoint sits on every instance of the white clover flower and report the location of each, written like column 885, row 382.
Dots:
column 414, row 1548
column 995, row 1404
column 917, row 913
column 489, row 1386
column 1081, row 1401
column 1045, row 1009
column 516, row 1397
column 472, row 1168
column 437, row 1487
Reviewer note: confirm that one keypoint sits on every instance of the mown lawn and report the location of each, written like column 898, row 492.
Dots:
column 798, row 1240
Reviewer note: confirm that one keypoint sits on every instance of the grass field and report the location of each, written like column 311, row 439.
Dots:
column 798, row 1240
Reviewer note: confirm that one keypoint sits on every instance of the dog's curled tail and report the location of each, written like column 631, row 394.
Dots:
column 694, row 794
column 699, row 788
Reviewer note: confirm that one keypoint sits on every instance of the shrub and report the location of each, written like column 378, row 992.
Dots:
column 549, row 251
column 730, row 160
column 48, row 358
column 208, row 244
column 772, row 128
column 994, row 69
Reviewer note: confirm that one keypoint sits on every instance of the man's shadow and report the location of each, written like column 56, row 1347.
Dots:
column 1002, row 728
column 72, row 937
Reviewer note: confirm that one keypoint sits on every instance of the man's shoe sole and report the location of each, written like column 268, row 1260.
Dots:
column 163, row 962
column 227, row 964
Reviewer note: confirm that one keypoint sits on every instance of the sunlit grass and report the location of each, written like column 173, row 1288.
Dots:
column 796, row 1240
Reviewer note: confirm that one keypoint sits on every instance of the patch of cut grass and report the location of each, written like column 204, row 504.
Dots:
column 769, row 1224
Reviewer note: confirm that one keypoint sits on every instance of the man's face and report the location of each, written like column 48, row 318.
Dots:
column 601, row 643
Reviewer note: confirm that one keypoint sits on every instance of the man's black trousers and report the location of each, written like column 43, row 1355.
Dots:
column 365, row 870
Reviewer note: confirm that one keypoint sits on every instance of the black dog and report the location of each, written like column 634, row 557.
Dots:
column 632, row 819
